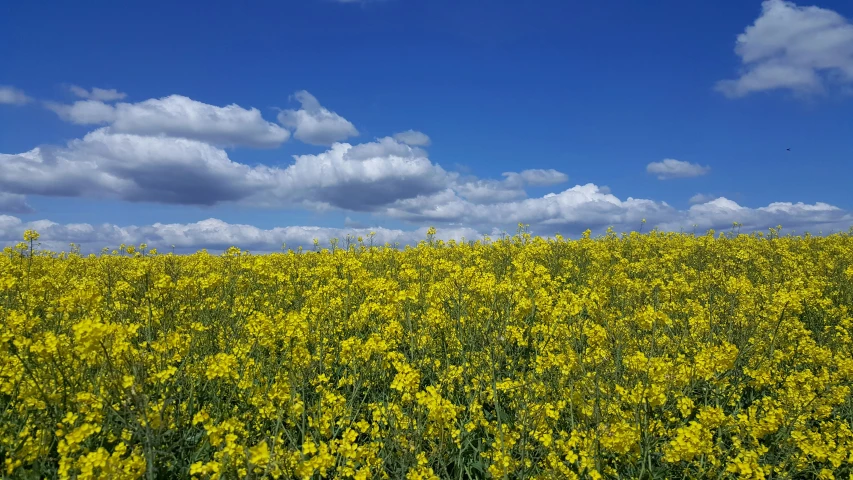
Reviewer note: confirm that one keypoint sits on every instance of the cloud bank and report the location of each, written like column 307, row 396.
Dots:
column 216, row 235
column 172, row 150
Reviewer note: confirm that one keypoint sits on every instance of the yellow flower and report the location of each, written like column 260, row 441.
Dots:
column 260, row 454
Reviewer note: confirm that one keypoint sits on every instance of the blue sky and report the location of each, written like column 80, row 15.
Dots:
column 604, row 112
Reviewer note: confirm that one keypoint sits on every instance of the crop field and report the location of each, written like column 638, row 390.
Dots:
column 656, row 355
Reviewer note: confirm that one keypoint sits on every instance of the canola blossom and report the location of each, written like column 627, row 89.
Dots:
column 656, row 355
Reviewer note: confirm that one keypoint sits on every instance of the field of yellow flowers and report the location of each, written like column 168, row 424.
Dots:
column 651, row 355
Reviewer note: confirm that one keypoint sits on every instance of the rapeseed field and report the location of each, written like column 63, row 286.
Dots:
column 656, row 355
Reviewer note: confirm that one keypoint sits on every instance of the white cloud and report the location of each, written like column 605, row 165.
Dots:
column 370, row 177
column 131, row 167
column 123, row 166
column 315, row 124
column 212, row 234
column 510, row 188
column 574, row 209
column 413, row 137
column 792, row 47
column 178, row 116
column 568, row 213
column 486, row 191
column 163, row 151
column 362, row 178
column 12, row 96
column 169, row 150
column 384, row 177
column 702, row 198
column 537, row 177
column 84, row 112
column 383, row 147
column 721, row 212
column 14, row 203
column 590, row 206
column 96, row 93
column 670, row 168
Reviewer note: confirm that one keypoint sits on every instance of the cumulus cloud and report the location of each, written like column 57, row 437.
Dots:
column 84, row 112
column 362, row 177
column 412, row 137
column 480, row 191
column 512, row 187
column 702, row 198
column 212, row 234
column 130, row 167
column 96, row 93
column 315, row 124
column 587, row 206
column 537, row 177
column 178, row 116
column 792, row 47
column 169, row 150
column 569, row 213
column 670, row 168
column 383, row 147
column 165, row 150
column 385, row 177
column 721, row 212
column 14, row 203
column 12, row 96
column 572, row 210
